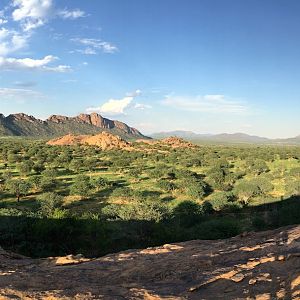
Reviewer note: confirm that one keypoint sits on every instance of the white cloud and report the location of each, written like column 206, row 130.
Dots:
column 35, row 13
column 114, row 106
column 142, row 106
column 206, row 103
column 93, row 46
column 11, row 41
column 32, row 64
column 71, row 14
column 20, row 95
column 87, row 51
column 25, row 84
column 135, row 93
column 31, row 13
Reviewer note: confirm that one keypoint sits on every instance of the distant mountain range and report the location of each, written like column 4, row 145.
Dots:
column 24, row 125
column 21, row 124
column 225, row 138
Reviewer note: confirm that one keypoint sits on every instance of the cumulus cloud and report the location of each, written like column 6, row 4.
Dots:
column 71, row 14
column 32, row 64
column 35, row 13
column 31, row 13
column 116, row 106
column 206, row 103
column 93, row 46
column 11, row 41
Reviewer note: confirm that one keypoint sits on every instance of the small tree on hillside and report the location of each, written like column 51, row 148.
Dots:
column 49, row 202
column 81, row 186
column 18, row 187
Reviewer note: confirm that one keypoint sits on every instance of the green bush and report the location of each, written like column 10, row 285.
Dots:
column 48, row 203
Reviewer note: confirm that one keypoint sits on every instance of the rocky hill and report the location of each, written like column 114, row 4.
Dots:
column 173, row 142
column 104, row 140
column 56, row 125
column 263, row 265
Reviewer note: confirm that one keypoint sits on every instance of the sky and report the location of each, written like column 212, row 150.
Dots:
column 207, row 66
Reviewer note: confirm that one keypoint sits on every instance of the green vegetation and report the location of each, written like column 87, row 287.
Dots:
column 56, row 200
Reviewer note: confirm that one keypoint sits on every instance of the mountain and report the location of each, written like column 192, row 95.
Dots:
column 180, row 134
column 24, row 125
column 238, row 138
column 295, row 140
column 225, row 138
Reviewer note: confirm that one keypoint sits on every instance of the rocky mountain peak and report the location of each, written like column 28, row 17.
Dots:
column 21, row 124
column 23, row 117
column 57, row 118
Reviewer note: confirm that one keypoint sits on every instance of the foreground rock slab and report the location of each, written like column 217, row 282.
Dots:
column 263, row 265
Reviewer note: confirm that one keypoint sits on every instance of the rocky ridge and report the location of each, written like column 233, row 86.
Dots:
column 56, row 125
column 262, row 266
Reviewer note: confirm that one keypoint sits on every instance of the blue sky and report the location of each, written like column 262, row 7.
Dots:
column 209, row 66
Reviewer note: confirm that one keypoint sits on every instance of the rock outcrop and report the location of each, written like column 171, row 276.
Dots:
column 173, row 142
column 176, row 142
column 263, row 265
column 104, row 140
column 96, row 120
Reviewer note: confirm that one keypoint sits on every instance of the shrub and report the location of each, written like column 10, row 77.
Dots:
column 48, row 203
column 166, row 185
column 81, row 186
column 138, row 210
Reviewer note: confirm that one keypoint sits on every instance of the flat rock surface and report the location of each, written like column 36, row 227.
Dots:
column 261, row 265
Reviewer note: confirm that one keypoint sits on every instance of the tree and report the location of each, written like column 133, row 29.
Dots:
column 188, row 212
column 38, row 167
column 194, row 187
column 18, row 187
column 90, row 163
column 217, row 176
column 49, row 202
column 293, row 188
column 76, row 165
column 264, row 185
column 220, row 200
column 138, row 210
column 51, row 173
column 47, row 183
column 99, row 183
column 257, row 166
column 35, row 181
column 81, row 186
column 25, row 167
column 246, row 190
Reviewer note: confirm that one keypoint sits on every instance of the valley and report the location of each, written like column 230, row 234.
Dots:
column 79, row 197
